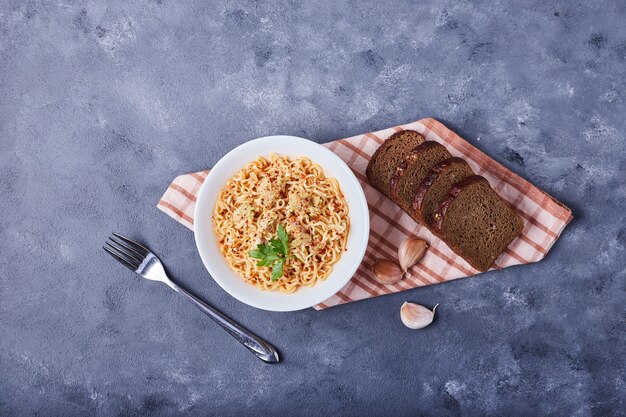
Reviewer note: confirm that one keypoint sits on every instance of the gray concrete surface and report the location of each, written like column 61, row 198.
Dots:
column 102, row 104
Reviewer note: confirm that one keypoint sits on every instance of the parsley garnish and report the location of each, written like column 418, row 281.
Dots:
column 274, row 254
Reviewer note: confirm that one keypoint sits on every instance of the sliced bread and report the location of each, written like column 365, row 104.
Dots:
column 388, row 156
column 412, row 171
column 475, row 222
column 436, row 185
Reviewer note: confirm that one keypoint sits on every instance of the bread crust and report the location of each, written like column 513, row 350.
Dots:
column 445, row 202
column 386, row 176
column 442, row 210
column 410, row 159
column 432, row 176
column 383, row 147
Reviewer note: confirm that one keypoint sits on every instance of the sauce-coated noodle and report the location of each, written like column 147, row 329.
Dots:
column 295, row 193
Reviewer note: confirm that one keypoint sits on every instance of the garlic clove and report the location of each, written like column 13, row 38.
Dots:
column 411, row 251
column 415, row 316
column 386, row 272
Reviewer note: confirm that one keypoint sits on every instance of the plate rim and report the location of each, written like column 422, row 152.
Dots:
column 224, row 160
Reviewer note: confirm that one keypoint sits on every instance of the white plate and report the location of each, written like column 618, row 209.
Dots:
column 206, row 239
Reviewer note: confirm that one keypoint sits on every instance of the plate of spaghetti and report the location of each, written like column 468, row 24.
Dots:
column 281, row 223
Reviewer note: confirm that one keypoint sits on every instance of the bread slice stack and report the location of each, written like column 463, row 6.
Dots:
column 442, row 193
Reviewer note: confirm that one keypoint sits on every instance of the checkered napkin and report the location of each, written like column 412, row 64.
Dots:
column 544, row 217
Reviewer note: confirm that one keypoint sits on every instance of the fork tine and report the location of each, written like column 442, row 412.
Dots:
column 122, row 254
column 126, row 248
column 143, row 251
column 119, row 258
column 128, row 253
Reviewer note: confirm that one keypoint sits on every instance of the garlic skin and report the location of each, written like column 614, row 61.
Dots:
column 410, row 251
column 415, row 316
column 386, row 272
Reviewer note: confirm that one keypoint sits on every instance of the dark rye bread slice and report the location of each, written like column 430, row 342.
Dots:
column 412, row 171
column 475, row 222
column 436, row 185
column 388, row 156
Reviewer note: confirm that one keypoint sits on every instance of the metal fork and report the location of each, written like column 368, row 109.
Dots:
column 139, row 259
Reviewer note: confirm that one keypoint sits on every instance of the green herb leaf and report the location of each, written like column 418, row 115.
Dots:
column 278, row 247
column 257, row 254
column 277, row 269
column 283, row 237
column 265, row 262
column 274, row 254
column 262, row 251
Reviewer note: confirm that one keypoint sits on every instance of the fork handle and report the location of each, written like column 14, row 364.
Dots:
column 262, row 349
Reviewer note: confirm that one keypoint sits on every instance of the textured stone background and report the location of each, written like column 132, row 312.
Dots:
column 102, row 105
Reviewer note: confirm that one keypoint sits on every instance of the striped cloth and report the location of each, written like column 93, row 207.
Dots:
column 544, row 217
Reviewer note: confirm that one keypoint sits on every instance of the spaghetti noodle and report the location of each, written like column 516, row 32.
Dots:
column 295, row 193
